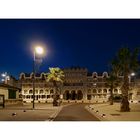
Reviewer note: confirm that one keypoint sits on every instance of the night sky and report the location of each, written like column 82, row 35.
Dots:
column 86, row 43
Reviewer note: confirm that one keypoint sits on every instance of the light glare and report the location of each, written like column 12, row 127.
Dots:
column 132, row 74
column 39, row 50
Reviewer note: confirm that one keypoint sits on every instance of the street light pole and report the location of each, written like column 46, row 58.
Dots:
column 34, row 81
column 38, row 50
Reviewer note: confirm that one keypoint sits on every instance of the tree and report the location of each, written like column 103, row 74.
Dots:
column 55, row 76
column 127, row 62
column 112, row 82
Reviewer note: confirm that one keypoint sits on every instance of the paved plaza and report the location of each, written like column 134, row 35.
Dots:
column 69, row 112
column 42, row 112
column 108, row 112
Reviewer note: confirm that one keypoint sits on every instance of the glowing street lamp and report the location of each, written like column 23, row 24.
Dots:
column 39, row 51
column 132, row 74
column 5, row 77
column 3, row 74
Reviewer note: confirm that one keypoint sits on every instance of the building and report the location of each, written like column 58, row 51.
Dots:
column 79, row 86
column 10, row 93
column 10, row 90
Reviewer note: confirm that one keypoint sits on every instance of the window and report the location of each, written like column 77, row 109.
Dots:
column 41, row 91
column 116, row 90
column 43, row 96
column 48, row 96
column 36, row 91
column 25, row 91
column 11, row 94
column 94, row 91
column 51, row 91
column 100, row 96
column 105, row 90
column 99, row 90
column 28, row 96
column 89, row 90
column 30, row 91
column 89, row 97
column 46, row 91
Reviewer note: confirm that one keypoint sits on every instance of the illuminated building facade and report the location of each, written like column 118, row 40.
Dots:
column 79, row 86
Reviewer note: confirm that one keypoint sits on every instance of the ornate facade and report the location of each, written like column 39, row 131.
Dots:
column 79, row 86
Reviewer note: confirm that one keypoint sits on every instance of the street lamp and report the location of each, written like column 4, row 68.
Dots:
column 38, row 51
column 131, row 75
column 5, row 77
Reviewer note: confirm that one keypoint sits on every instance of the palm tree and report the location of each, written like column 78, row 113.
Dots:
column 55, row 76
column 113, row 80
column 127, row 62
column 112, row 83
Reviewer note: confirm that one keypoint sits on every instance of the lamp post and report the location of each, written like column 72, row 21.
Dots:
column 131, row 75
column 38, row 50
column 131, row 85
column 5, row 77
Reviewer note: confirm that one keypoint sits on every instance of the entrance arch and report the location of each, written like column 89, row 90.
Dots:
column 73, row 95
column 66, row 95
column 79, row 95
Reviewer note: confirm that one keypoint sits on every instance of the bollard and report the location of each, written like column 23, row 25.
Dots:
column 103, row 115
column 14, row 114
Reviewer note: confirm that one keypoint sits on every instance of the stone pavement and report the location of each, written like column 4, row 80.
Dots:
column 42, row 112
column 108, row 112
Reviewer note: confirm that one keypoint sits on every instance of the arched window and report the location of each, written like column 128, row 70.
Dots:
column 30, row 91
column 28, row 96
column 46, row 91
column 105, row 90
column 99, row 90
column 89, row 90
column 94, row 91
column 41, row 91
column 25, row 91
column 36, row 91
column 116, row 90
column 51, row 91
column 89, row 97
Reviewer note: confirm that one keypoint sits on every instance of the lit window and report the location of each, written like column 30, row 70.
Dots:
column 94, row 90
column 89, row 90
column 25, row 91
column 51, row 91
column 105, row 90
column 41, row 91
column 99, row 90
column 30, row 91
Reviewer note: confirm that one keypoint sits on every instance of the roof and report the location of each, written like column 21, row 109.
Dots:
column 9, row 87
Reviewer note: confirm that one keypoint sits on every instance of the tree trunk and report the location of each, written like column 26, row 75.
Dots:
column 55, row 97
column 111, row 96
column 125, row 103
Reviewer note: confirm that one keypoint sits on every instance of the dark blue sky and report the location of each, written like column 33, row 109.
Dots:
column 85, row 43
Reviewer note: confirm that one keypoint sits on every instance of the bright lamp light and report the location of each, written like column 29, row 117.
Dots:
column 3, row 74
column 132, row 74
column 39, row 50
